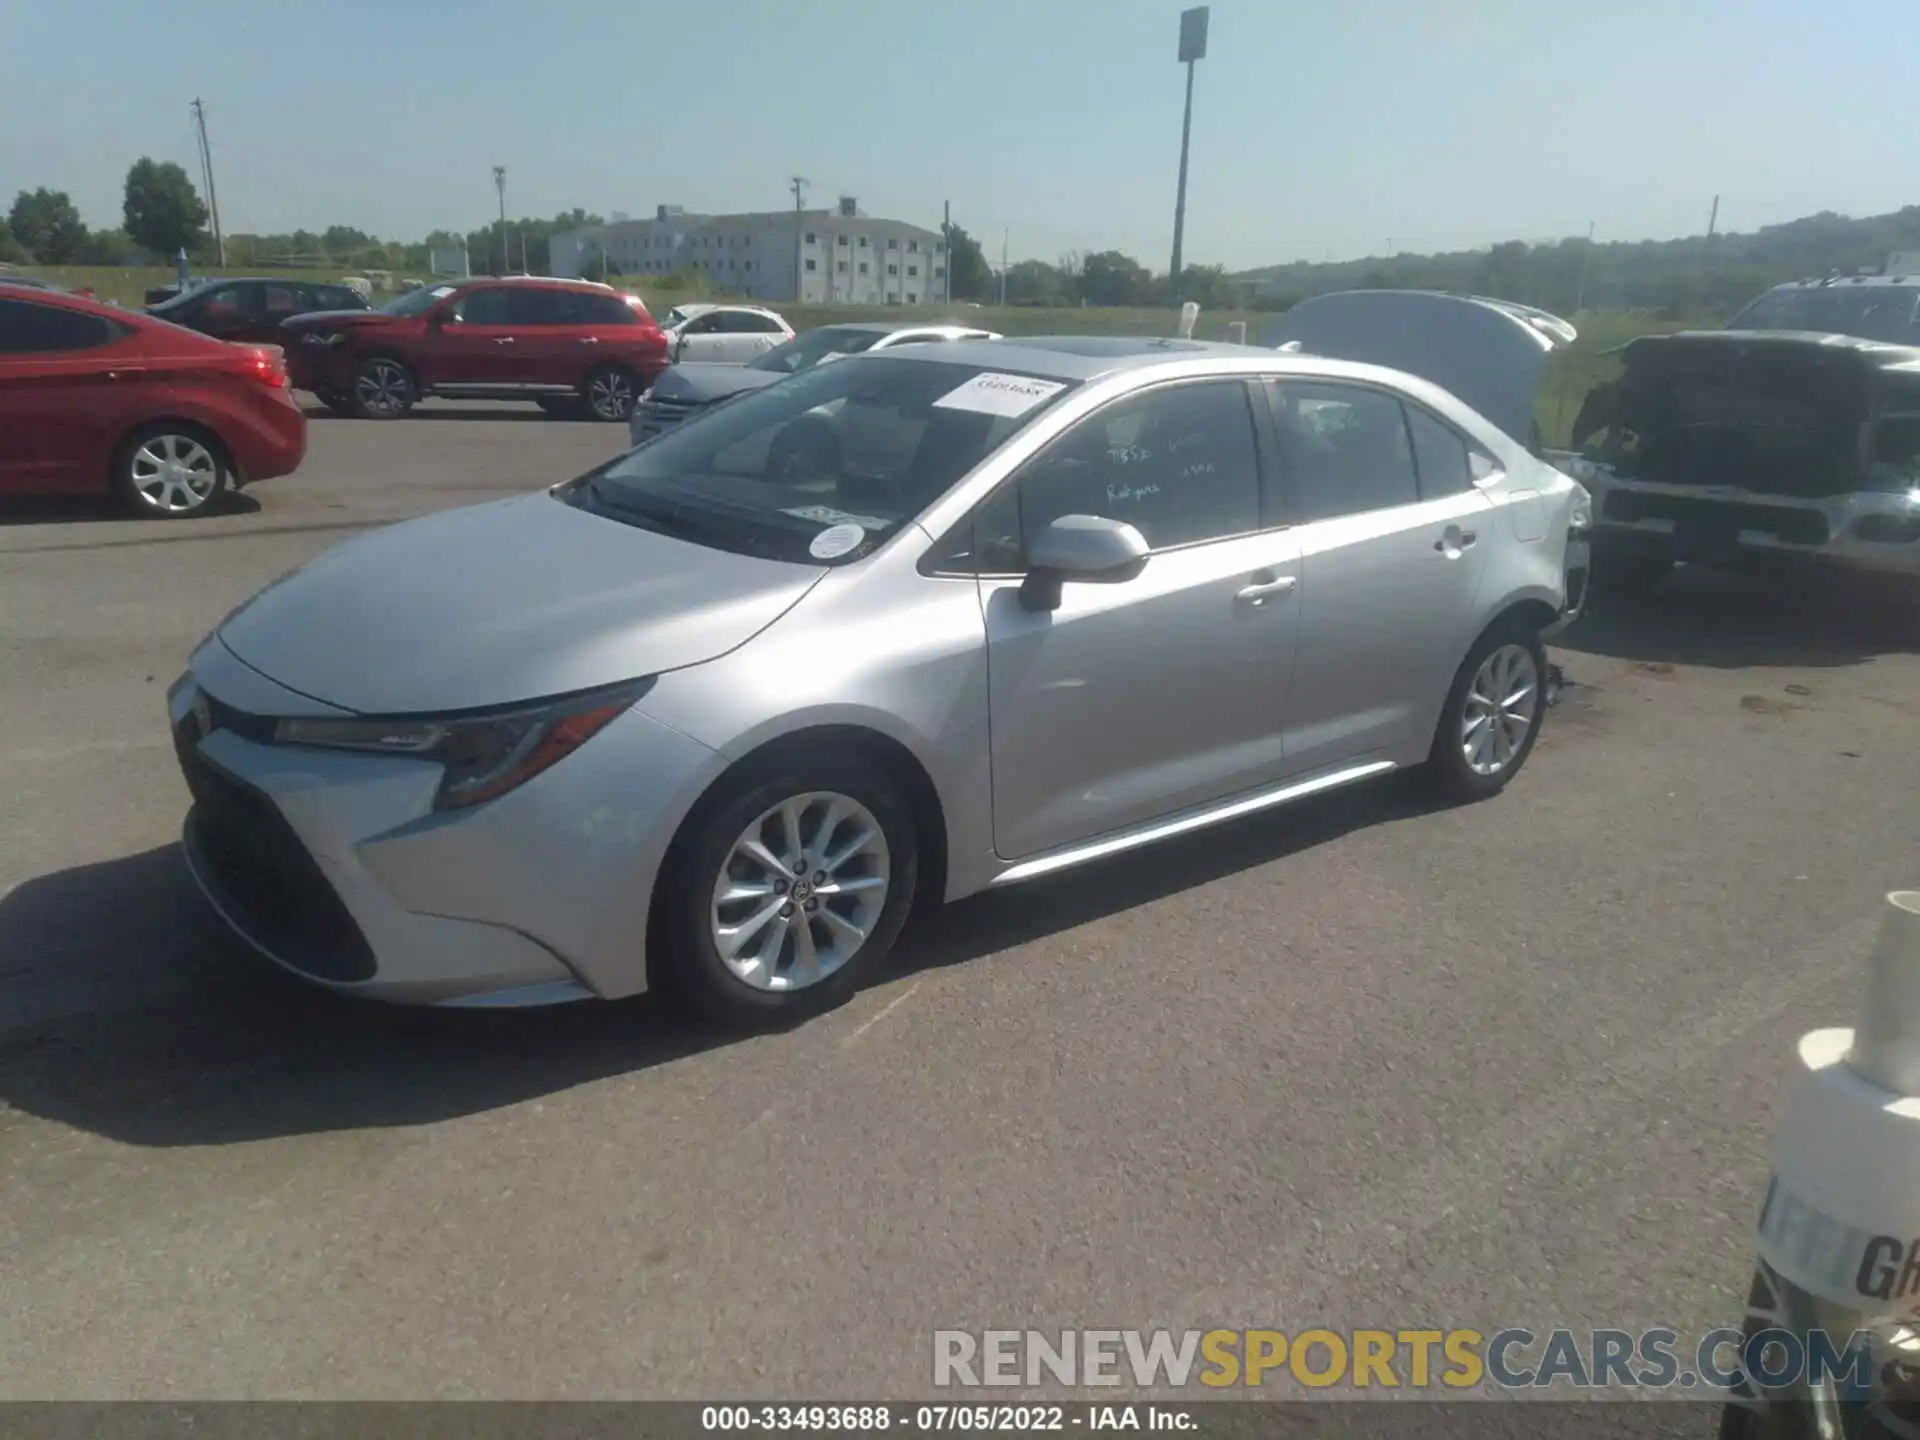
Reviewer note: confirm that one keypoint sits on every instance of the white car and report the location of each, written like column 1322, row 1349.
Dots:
column 722, row 334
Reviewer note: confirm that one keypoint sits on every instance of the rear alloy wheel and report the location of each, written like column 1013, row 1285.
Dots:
column 170, row 472
column 383, row 389
column 611, row 393
column 1492, row 715
column 792, row 893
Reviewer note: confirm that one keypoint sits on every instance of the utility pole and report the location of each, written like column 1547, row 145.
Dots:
column 500, row 185
column 1580, row 295
column 946, row 245
column 799, row 188
column 1713, row 217
column 206, row 169
column 1004, row 234
column 1193, row 47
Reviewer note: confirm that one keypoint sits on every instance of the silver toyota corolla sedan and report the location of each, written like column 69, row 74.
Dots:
column 711, row 718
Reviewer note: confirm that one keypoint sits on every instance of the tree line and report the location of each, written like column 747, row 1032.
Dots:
column 162, row 213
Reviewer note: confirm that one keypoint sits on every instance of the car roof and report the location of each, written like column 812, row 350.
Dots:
column 1073, row 357
column 1849, row 282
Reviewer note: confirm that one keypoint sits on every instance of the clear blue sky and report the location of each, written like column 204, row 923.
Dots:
column 1318, row 128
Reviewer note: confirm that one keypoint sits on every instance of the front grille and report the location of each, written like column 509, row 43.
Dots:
column 1786, row 523
column 261, row 872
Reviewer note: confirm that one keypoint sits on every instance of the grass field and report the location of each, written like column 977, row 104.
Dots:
column 1570, row 375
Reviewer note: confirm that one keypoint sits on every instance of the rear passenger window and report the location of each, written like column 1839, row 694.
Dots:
column 1439, row 454
column 284, row 300
column 29, row 329
column 1344, row 449
column 607, row 310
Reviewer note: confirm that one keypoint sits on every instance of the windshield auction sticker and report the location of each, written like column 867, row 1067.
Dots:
column 995, row 394
column 835, row 541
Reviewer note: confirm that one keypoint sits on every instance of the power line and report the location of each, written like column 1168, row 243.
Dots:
column 206, row 171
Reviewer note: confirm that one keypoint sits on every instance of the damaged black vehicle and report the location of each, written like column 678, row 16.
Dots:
column 1771, row 442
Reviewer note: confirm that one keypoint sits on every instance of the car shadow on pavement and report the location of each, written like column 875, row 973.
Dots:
column 85, row 509
column 128, row 1011
column 1731, row 621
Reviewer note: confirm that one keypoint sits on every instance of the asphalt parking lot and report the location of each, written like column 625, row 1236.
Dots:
column 1365, row 1062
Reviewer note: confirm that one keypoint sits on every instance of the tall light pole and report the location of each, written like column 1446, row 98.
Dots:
column 500, row 185
column 206, row 169
column 1193, row 47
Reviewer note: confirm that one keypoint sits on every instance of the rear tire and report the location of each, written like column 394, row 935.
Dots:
column 754, row 946
column 383, row 389
column 171, row 470
column 1493, row 714
column 610, row 392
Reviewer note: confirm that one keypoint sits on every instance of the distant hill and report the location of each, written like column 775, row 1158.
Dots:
column 1676, row 278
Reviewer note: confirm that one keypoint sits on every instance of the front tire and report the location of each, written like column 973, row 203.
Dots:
column 610, row 393
column 788, row 892
column 170, row 471
column 1493, row 714
column 383, row 389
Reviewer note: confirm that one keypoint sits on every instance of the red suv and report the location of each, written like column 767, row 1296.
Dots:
column 567, row 345
column 94, row 398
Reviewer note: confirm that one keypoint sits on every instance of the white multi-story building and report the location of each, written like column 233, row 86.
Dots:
column 814, row 257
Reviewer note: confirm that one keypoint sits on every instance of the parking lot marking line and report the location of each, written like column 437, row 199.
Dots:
column 891, row 1006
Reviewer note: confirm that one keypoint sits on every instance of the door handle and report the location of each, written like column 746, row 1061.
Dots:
column 1464, row 541
column 589, row 339
column 1261, row 590
column 503, row 340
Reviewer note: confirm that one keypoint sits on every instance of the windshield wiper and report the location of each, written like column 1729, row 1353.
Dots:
column 681, row 522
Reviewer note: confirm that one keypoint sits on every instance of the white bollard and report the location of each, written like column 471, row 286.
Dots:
column 1839, row 1233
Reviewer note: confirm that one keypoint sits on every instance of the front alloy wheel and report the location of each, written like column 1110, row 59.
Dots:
column 786, row 889
column 383, row 390
column 801, row 892
column 611, row 394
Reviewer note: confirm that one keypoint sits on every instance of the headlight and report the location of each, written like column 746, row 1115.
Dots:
column 484, row 756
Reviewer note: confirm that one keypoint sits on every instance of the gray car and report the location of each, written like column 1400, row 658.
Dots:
column 690, row 387
column 713, row 717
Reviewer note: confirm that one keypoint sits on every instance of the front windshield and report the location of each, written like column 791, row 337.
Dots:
column 821, row 468
column 1868, row 312
column 808, row 350
column 416, row 301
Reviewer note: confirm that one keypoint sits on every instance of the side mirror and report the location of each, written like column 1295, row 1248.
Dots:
column 1086, row 548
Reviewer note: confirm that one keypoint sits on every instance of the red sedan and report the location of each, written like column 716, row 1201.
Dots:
column 96, row 399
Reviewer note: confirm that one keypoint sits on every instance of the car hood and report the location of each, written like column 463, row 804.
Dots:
column 494, row 604
column 702, row 383
column 336, row 320
column 1766, row 411
column 1490, row 354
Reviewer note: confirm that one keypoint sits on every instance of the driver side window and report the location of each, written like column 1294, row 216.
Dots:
column 1178, row 463
column 483, row 307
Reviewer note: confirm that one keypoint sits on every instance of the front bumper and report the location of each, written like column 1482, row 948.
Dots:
column 655, row 417
column 336, row 867
column 1866, row 531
